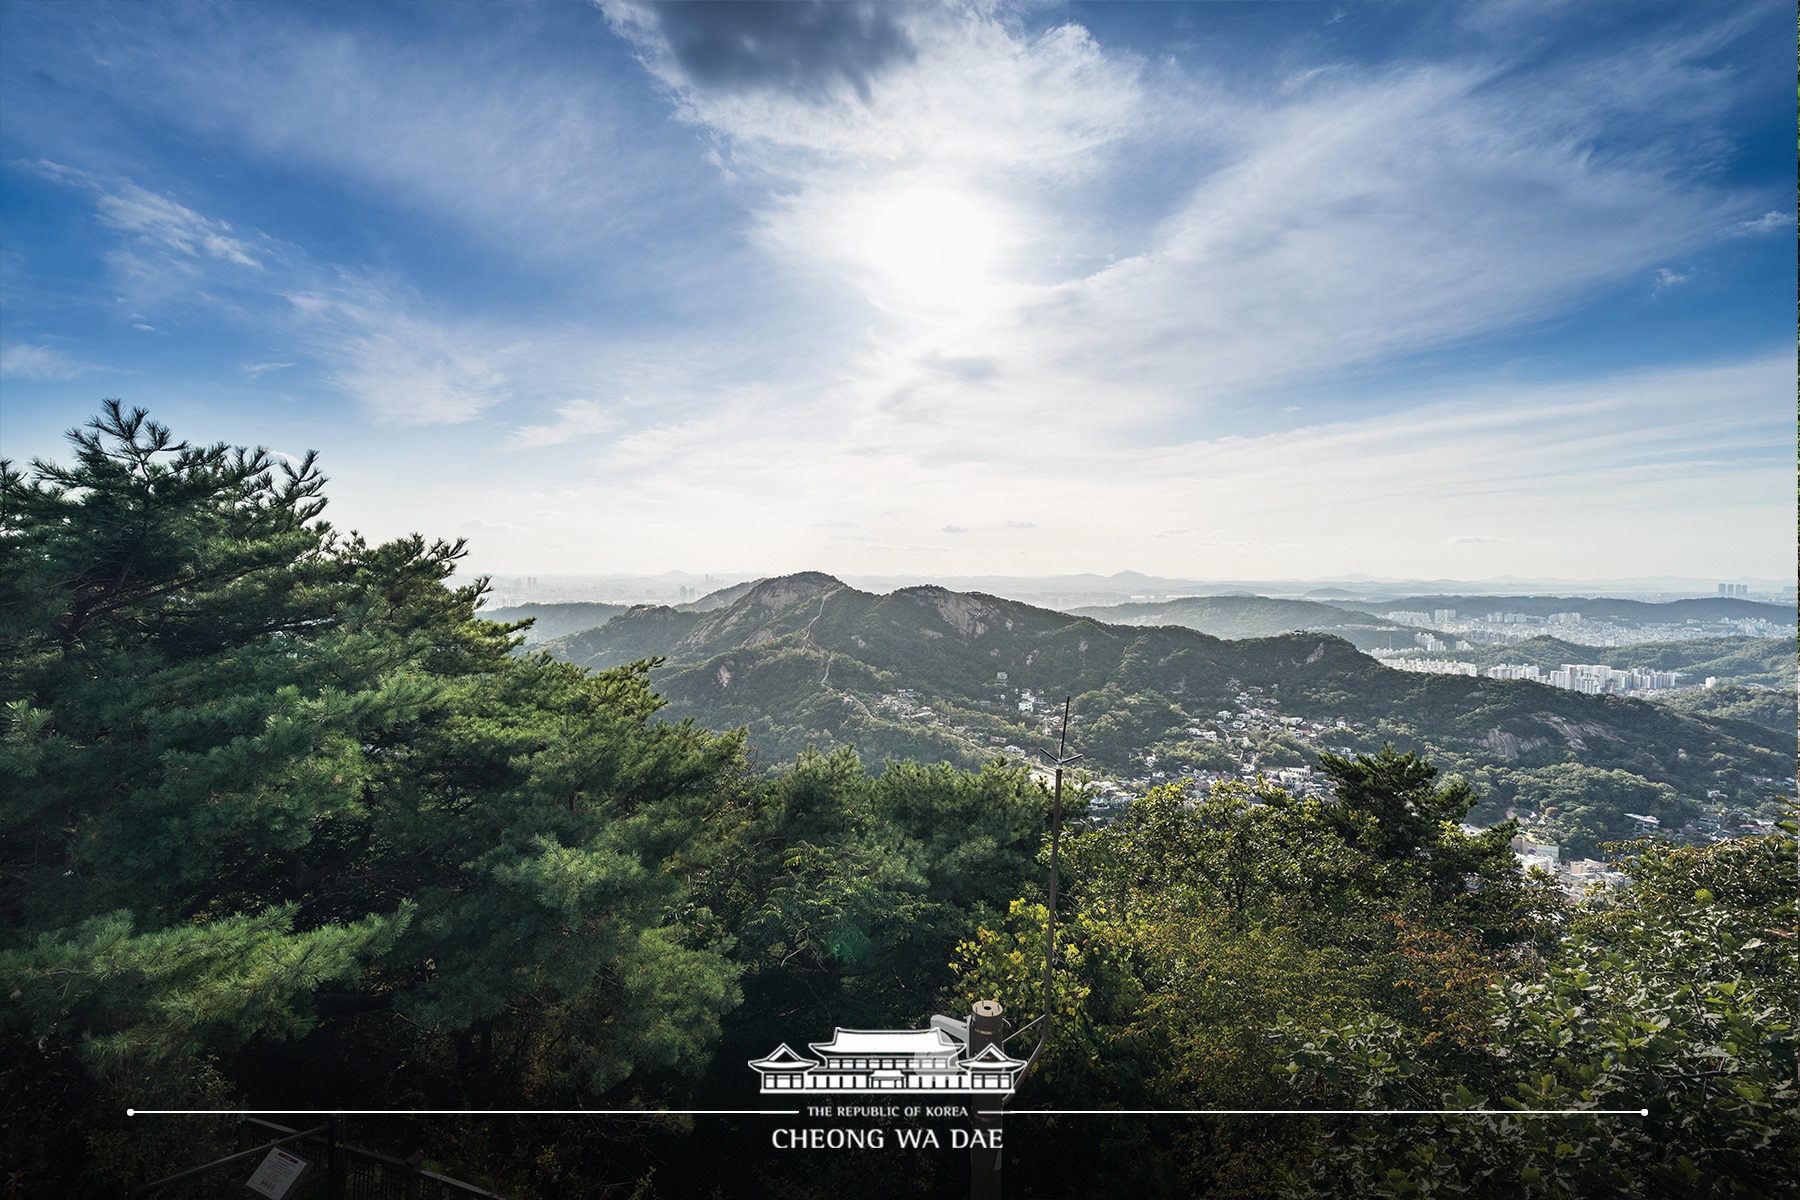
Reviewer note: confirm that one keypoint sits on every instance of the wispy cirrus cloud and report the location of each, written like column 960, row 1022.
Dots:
column 379, row 343
column 173, row 226
column 1769, row 222
column 370, row 338
column 29, row 361
column 155, row 219
column 464, row 120
column 578, row 418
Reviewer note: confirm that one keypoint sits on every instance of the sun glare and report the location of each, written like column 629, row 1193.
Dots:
column 928, row 244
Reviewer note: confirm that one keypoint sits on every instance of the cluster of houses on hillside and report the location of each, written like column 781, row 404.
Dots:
column 1576, row 875
column 1255, row 727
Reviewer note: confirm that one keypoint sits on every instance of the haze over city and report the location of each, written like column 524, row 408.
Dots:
column 1206, row 291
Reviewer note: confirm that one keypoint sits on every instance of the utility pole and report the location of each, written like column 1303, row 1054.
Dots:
column 986, row 1016
column 985, row 1021
column 338, row 1163
column 1061, row 759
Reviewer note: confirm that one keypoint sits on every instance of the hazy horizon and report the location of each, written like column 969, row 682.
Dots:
column 515, row 588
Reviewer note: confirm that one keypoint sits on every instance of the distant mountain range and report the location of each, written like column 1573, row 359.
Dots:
column 933, row 674
column 1355, row 586
column 1083, row 589
column 1253, row 617
column 556, row 620
column 1367, row 624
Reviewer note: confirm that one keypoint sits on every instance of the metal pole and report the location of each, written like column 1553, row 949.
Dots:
column 1062, row 758
column 984, row 1110
column 338, row 1160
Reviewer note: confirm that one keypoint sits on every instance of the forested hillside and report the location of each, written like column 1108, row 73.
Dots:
column 286, row 825
column 1772, row 708
column 928, row 673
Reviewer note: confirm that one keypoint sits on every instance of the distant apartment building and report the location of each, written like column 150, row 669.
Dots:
column 1591, row 679
column 1433, row 666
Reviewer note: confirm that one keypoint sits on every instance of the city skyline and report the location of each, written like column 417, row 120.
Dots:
column 1202, row 291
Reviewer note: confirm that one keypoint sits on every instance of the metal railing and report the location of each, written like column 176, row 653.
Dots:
column 341, row 1171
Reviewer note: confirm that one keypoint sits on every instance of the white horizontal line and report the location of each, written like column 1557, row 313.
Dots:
column 461, row 1112
column 1329, row 1112
column 794, row 1112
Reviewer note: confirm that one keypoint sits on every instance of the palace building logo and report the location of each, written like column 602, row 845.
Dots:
column 935, row 1060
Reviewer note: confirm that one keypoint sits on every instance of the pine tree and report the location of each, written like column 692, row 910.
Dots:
column 260, row 775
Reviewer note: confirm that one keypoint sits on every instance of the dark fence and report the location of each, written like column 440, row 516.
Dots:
column 339, row 1171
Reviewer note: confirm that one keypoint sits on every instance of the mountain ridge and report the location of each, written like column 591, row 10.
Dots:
column 926, row 672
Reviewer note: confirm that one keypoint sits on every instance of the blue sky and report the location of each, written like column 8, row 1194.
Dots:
column 1225, row 290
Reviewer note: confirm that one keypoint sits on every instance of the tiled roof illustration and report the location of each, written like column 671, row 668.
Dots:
column 889, row 1043
column 784, row 1059
column 881, row 1060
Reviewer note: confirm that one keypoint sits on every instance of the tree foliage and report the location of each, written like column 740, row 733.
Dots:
column 1242, row 949
column 262, row 775
column 1668, row 997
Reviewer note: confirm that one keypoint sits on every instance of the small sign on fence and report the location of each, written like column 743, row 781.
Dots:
column 278, row 1174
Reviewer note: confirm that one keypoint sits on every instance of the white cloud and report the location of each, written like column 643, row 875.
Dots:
column 1769, row 222
column 155, row 220
column 1582, row 479
column 977, row 96
column 405, row 371
column 516, row 147
column 1368, row 218
column 162, row 222
column 578, row 418
column 373, row 337
column 1347, row 217
column 38, row 362
column 1667, row 278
